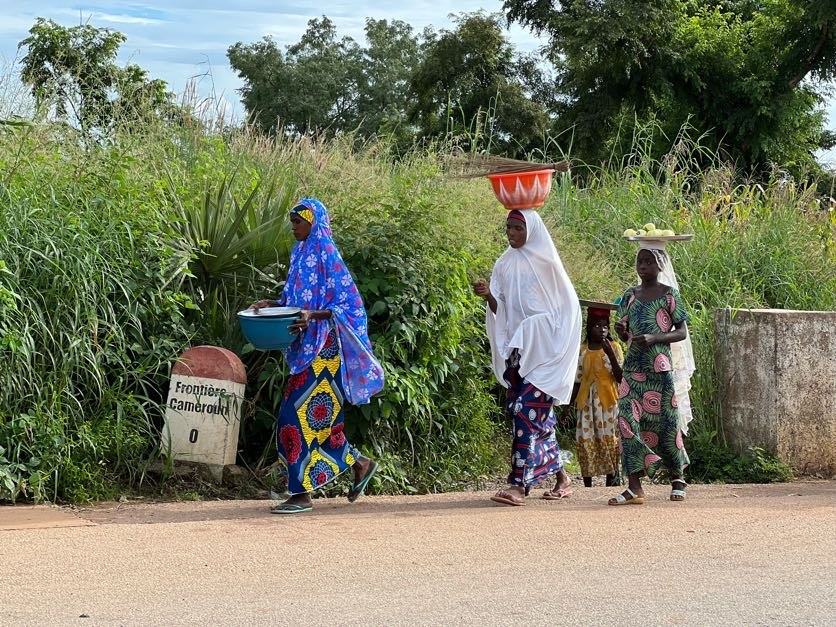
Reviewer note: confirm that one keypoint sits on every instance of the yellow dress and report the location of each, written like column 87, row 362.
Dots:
column 596, row 438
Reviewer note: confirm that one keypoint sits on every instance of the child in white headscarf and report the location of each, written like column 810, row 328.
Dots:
column 534, row 324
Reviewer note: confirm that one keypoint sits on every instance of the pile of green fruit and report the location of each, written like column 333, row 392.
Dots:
column 648, row 230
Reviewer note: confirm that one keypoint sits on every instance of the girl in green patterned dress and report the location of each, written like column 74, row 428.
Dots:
column 651, row 316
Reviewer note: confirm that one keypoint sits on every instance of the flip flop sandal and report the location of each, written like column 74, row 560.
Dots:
column 358, row 488
column 622, row 500
column 506, row 498
column 678, row 495
column 556, row 495
column 290, row 508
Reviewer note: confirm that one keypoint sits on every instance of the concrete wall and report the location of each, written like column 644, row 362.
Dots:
column 777, row 372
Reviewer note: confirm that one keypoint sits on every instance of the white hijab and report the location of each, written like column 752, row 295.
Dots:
column 682, row 353
column 537, row 313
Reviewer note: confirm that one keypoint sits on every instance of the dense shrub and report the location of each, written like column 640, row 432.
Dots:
column 763, row 246
column 116, row 255
column 90, row 320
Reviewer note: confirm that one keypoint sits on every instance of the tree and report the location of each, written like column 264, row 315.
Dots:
column 390, row 59
column 325, row 83
column 74, row 70
column 399, row 83
column 309, row 88
column 470, row 80
column 743, row 71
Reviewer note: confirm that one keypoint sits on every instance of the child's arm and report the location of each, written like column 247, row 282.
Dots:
column 616, row 367
column 578, row 376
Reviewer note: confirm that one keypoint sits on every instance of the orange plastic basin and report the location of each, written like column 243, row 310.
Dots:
column 522, row 190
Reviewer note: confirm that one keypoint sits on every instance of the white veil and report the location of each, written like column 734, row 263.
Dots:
column 537, row 313
column 682, row 353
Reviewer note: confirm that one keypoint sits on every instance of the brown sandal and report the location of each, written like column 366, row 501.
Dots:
column 556, row 495
column 507, row 498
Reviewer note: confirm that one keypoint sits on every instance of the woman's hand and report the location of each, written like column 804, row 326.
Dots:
column 302, row 322
column 621, row 329
column 262, row 303
column 648, row 339
column 482, row 289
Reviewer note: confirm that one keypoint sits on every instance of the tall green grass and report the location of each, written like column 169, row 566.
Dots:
column 756, row 245
column 116, row 255
column 90, row 318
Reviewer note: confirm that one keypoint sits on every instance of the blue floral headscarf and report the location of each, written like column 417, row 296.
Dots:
column 319, row 279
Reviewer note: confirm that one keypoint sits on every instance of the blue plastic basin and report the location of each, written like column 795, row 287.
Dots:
column 268, row 329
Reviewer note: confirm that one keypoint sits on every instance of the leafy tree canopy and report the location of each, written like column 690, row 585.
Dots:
column 402, row 83
column 327, row 83
column 748, row 73
column 74, row 70
column 471, row 80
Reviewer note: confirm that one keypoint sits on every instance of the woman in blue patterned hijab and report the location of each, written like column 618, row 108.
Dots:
column 331, row 363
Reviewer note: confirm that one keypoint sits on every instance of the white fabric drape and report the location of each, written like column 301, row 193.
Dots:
column 682, row 353
column 537, row 313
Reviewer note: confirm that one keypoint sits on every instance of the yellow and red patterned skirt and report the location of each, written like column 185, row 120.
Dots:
column 309, row 435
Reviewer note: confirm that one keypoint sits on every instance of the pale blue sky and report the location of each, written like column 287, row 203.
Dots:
column 177, row 40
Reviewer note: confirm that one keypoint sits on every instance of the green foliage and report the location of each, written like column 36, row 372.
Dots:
column 89, row 317
column 433, row 427
column 115, row 256
column 74, row 70
column 712, row 462
column 734, row 70
column 400, row 85
column 749, row 76
column 433, row 424
column 752, row 247
column 237, row 246
column 472, row 73
column 326, row 83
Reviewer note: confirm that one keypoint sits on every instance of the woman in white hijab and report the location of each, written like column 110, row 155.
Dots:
column 534, row 325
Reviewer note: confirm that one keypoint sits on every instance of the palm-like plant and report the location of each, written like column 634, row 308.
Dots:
column 238, row 247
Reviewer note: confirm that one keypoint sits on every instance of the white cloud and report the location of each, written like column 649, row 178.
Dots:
column 123, row 19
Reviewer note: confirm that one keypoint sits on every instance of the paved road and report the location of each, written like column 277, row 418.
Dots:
column 743, row 555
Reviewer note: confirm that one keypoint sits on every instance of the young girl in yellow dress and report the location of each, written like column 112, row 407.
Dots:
column 596, row 398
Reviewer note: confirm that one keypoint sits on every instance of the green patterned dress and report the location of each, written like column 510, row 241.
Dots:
column 648, row 418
